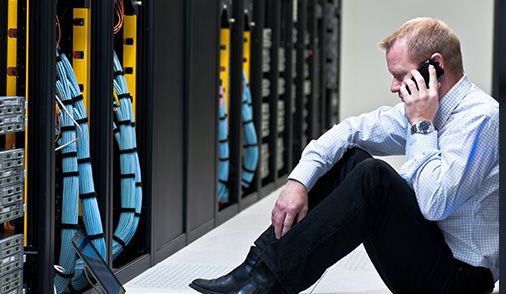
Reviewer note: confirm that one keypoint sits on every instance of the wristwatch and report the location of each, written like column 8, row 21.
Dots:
column 422, row 127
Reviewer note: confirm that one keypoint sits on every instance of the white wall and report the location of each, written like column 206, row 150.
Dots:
column 365, row 80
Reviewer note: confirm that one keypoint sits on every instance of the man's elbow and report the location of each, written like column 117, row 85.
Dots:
column 433, row 212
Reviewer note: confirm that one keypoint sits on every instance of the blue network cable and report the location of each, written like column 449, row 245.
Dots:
column 131, row 189
column 91, row 213
column 223, row 164
column 250, row 156
column 70, row 192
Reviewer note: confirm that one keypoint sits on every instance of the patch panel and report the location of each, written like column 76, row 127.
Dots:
column 12, row 283
column 11, row 212
column 11, row 245
column 11, row 263
column 12, row 114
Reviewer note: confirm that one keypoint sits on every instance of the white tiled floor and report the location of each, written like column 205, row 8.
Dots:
column 225, row 247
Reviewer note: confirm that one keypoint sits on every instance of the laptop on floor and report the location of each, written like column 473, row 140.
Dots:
column 96, row 265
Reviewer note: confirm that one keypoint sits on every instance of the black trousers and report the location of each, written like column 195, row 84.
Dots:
column 364, row 200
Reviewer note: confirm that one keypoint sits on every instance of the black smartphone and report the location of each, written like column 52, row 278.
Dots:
column 424, row 71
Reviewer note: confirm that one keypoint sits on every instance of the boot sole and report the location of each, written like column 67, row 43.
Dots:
column 202, row 290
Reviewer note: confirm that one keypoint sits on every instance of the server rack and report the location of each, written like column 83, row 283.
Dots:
column 288, row 38
column 256, row 81
column 251, row 194
column 202, row 112
column 177, row 72
column 41, row 164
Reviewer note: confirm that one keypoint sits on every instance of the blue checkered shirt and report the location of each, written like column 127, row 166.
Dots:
column 454, row 171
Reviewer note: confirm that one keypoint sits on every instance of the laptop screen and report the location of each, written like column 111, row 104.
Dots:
column 97, row 266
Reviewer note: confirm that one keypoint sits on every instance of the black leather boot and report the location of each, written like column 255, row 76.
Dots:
column 252, row 276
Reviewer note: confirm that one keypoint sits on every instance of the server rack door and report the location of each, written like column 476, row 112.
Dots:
column 202, row 113
column 167, row 113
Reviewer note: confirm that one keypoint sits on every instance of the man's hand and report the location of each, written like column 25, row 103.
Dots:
column 423, row 103
column 292, row 204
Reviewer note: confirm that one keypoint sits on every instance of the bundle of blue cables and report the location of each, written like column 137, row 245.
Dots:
column 223, row 164
column 250, row 145
column 70, row 174
column 131, row 188
column 87, row 194
column 76, row 165
column 250, row 155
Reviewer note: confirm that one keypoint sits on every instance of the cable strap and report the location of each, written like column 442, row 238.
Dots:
column 126, row 95
column 247, row 121
column 138, row 184
column 126, row 122
column 78, row 98
column 137, row 214
column 69, row 226
column 65, row 276
column 224, row 159
column 84, row 160
column 88, row 195
column 127, row 210
column 127, row 151
column 83, row 120
column 248, row 170
column 67, row 102
column 68, row 128
column 127, row 176
column 224, row 117
column 250, row 145
column 223, row 141
column 115, row 131
column 118, row 73
column 69, row 154
column 70, row 174
column 223, row 182
column 118, row 239
column 96, row 236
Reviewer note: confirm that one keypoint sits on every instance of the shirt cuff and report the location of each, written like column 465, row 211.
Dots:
column 306, row 174
column 417, row 144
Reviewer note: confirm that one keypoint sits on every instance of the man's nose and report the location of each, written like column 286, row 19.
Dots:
column 395, row 86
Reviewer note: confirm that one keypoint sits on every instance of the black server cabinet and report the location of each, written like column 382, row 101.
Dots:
column 314, row 105
column 256, row 82
column 302, row 74
column 101, row 137
column 251, row 194
column 271, row 34
column 286, row 102
column 41, row 203
column 202, row 112
column 168, row 126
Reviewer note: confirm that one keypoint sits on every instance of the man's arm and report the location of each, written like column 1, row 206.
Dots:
column 444, row 176
column 381, row 132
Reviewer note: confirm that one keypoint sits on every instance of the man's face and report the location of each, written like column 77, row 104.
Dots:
column 399, row 65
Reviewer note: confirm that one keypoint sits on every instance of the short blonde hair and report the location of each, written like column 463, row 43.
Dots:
column 425, row 36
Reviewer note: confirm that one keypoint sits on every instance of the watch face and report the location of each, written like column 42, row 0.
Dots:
column 424, row 126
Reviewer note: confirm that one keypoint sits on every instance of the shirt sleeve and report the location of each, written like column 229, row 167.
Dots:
column 380, row 132
column 446, row 174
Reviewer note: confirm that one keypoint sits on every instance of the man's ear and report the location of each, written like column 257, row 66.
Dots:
column 437, row 57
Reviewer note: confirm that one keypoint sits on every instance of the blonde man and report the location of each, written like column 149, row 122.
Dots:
column 431, row 228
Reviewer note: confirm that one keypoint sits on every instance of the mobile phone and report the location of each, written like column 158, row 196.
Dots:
column 424, row 71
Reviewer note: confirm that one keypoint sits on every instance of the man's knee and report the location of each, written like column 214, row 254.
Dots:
column 358, row 154
column 376, row 165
